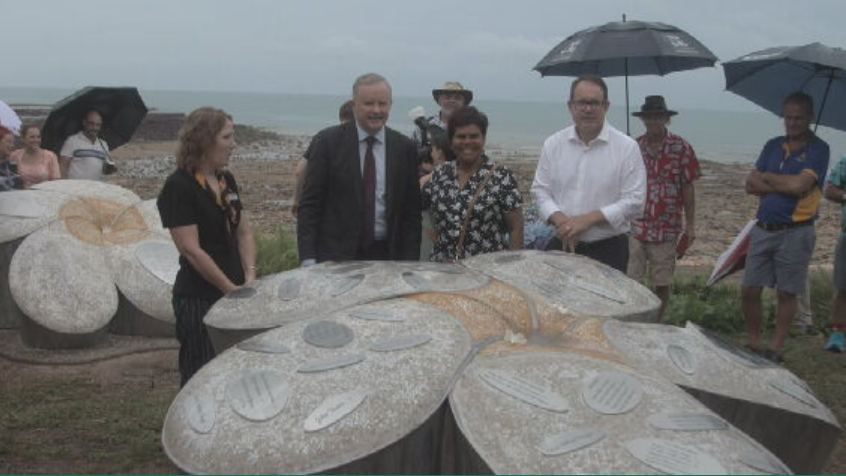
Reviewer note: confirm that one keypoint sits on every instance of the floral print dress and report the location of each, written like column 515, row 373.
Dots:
column 487, row 231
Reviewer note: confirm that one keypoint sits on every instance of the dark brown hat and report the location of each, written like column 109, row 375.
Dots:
column 654, row 105
column 454, row 87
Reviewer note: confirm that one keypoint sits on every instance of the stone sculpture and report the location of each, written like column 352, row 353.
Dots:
column 513, row 362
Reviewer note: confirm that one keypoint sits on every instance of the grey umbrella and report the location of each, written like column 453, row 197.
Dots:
column 768, row 76
column 626, row 48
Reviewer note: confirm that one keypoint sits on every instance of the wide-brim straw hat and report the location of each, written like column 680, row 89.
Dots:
column 454, row 87
column 654, row 105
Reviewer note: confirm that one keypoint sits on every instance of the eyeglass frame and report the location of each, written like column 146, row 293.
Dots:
column 582, row 105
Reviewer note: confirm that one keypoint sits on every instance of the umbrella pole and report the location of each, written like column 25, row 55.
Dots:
column 825, row 96
column 627, row 96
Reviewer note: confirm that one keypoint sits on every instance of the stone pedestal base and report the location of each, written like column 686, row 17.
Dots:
column 10, row 314
column 129, row 320
column 38, row 336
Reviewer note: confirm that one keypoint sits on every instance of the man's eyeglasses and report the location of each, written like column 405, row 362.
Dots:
column 585, row 105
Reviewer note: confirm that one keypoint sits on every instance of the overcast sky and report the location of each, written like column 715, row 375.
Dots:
column 320, row 46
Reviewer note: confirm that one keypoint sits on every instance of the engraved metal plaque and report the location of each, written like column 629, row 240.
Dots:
column 349, row 267
column 612, row 393
column 673, row 458
column 764, row 462
column 243, row 292
column 682, row 358
column 264, row 344
column 400, row 342
column 584, row 285
column 21, row 204
column 524, row 390
column 346, row 284
column 415, row 280
column 687, row 421
column 792, row 390
column 333, row 409
column 289, row 289
column 570, row 441
column 327, row 334
column 374, row 315
column 259, row 395
column 161, row 258
column 200, row 411
column 331, row 363
column 509, row 258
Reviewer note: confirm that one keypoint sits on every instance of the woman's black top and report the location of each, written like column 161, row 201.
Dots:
column 186, row 200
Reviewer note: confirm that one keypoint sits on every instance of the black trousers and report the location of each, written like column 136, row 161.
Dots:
column 195, row 347
column 612, row 251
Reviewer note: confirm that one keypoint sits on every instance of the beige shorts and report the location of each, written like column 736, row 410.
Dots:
column 658, row 258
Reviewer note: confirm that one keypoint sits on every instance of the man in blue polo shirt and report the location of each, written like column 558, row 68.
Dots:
column 788, row 178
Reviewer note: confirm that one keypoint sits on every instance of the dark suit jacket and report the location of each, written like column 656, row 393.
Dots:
column 330, row 216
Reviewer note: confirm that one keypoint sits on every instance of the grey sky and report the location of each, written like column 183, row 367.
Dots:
column 319, row 46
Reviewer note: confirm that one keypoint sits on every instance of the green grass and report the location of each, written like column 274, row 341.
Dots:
column 276, row 252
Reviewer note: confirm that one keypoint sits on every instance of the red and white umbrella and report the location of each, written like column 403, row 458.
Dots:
column 734, row 258
column 9, row 118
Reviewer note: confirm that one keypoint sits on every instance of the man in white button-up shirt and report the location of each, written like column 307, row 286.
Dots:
column 590, row 181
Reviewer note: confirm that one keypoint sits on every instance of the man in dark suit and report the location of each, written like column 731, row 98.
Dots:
column 361, row 199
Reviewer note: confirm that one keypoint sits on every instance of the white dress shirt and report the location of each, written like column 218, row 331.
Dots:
column 381, row 229
column 575, row 178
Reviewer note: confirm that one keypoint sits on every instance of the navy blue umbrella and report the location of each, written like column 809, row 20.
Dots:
column 122, row 110
column 626, row 48
column 768, row 76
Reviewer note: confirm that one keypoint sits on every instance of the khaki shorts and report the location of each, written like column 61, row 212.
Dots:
column 659, row 258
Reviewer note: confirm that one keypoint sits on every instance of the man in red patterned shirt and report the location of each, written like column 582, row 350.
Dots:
column 658, row 238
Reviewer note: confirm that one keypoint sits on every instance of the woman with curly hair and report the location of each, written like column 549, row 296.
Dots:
column 201, row 207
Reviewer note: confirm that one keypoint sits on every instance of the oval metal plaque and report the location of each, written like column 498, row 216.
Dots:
column 346, row 284
column 243, row 292
column 289, row 289
column 373, row 315
column 570, row 441
column 682, row 358
column 795, row 391
column 673, row 458
column 200, row 411
column 327, row 334
column 687, row 421
column 415, row 280
column 161, row 258
column 509, row 258
column 524, row 390
column 764, row 462
column 612, row 393
column 401, row 342
column 258, row 395
column 349, row 267
column 264, row 344
column 333, row 409
column 331, row 363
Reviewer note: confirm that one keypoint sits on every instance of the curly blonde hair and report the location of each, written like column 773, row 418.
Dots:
column 197, row 135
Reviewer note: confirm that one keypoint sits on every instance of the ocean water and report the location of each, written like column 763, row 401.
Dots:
column 722, row 136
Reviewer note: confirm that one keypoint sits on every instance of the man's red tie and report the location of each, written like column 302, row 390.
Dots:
column 369, row 194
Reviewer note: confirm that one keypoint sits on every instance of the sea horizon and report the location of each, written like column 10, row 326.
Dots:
column 519, row 125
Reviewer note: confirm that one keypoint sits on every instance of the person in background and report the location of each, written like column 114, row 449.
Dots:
column 671, row 168
column 475, row 204
column 84, row 154
column 590, row 182
column 9, row 178
column 835, row 191
column 788, row 178
column 432, row 143
column 361, row 199
column 201, row 207
column 35, row 165
column 345, row 115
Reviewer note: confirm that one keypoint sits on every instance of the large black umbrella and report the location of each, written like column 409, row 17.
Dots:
column 768, row 76
column 626, row 48
column 122, row 110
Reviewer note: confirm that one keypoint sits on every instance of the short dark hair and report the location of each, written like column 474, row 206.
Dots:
column 801, row 99
column 26, row 127
column 345, row 112
column 590, row 78
column 467, row 116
